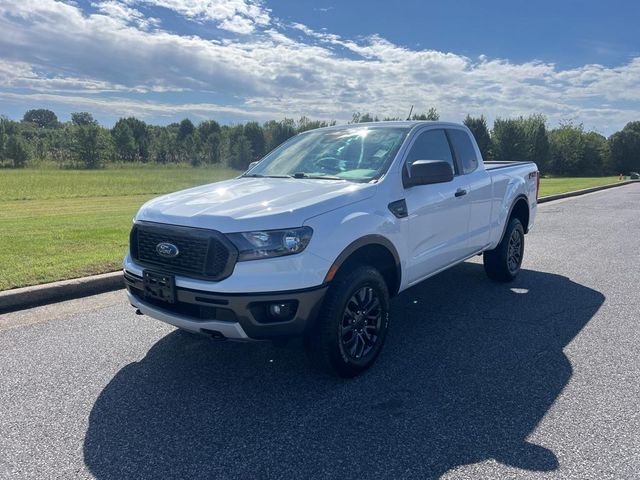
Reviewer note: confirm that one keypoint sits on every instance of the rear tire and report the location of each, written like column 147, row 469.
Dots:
column 502, row 264
column 352, row 325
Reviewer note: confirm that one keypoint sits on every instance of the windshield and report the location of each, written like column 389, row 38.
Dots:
column 359, row 154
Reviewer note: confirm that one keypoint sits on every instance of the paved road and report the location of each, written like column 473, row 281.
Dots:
column 537, row 379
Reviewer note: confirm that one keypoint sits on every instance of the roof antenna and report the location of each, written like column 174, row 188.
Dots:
column 410, row 112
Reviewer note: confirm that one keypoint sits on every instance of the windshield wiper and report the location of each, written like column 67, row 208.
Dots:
column 318, row 177
column 258, row 175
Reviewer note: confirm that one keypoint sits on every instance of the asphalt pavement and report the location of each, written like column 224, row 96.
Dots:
column 539, row 378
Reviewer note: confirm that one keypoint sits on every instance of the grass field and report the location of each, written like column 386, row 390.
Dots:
column 57, row 224
column 551, row 186
column 60, row 224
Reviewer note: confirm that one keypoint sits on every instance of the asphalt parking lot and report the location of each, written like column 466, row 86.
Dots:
column 536, row 379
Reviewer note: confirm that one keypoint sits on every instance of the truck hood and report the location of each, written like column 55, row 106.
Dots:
column 244, row 204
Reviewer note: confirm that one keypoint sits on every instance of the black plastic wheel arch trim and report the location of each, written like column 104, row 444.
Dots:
column 372, row 239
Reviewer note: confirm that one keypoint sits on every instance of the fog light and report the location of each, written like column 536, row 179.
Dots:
column 273, row 312
column 280, row 311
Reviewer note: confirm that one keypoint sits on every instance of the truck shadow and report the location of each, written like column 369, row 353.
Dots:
column 469, row 370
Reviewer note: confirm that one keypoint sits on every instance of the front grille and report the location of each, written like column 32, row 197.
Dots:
column 201, row 253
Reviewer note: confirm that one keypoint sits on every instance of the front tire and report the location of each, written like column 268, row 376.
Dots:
column 502, row 264
column 352, row 325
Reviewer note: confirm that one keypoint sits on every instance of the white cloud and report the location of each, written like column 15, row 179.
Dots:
column 273, row 68
column 239, row 16
column 125, row 14
column 121, row 106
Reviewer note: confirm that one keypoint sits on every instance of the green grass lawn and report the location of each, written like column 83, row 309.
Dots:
column 60, row 224
column 552, row 186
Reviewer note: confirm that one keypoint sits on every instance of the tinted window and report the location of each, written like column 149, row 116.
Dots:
column 431, row 145
column 464, row 150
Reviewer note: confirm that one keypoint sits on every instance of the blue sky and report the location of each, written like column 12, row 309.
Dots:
column 238, row 60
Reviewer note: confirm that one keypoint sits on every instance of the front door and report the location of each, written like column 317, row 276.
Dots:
column 438, row 213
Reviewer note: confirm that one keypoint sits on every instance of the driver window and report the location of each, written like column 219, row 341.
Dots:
column 431, row 145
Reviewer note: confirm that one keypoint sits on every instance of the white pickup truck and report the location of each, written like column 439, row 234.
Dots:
column 315, row 238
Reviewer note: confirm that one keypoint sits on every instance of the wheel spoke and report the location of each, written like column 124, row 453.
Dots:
column 353, row 349
column 370, row 337
column 351, row 309
column 360, row 344
column 373, row 304
column 361, row 297
column 348, row 328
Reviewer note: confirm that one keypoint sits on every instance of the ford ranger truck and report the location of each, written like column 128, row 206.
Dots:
column 314, row 239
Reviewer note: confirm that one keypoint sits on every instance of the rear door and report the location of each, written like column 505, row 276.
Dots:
column 438, row 213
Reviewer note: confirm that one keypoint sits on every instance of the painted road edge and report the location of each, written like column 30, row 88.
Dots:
column 28, row 297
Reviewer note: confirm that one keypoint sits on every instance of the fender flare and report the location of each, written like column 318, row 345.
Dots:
column 372, row 239
column 513, row 204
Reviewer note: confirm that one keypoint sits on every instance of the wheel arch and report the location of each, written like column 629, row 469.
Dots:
column 374, row 250
column 520, row 210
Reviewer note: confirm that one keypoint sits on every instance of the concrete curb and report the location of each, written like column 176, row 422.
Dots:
column 27, row 297
column 575, row 193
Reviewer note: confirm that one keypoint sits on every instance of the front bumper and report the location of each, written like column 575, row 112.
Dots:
column 236, row 316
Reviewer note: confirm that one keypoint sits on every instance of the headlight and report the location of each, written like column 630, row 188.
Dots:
column 270, row 243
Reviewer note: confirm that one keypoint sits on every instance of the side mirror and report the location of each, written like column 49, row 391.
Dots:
column 425, row 172
column 251, row 165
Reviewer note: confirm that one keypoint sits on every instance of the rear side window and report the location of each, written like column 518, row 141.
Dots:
column 431, row 145
column 464, row 150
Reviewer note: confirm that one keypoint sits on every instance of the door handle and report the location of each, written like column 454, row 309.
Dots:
column 460, row 192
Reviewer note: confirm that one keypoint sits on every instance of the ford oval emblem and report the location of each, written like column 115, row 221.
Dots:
column 167, row 250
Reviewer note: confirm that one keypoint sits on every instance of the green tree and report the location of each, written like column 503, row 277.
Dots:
column 432, row 114
column 59, row 145
column 210, row 137
column 625, row 149
column 82, row 118
column 596, row 154
column 189, row 149
column 186, row 128
column 276, row 133
column 208, row 127
column 567, row 150
column 141, row 136
column 17, row 151
column 3, row 137
column 238, row 148
column 509, row 142
column 358, row 117
column 480, row 131
column 305, row 124
column 124, row 142
column 254, row 133
column 163, row 145
column 41, row 117
column 91, row 146
column 537, row 139
column 132, row 139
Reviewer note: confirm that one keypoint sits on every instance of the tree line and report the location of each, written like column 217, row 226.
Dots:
column 40, row 138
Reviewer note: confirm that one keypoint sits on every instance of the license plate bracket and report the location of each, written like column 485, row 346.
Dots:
column 159, row 286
